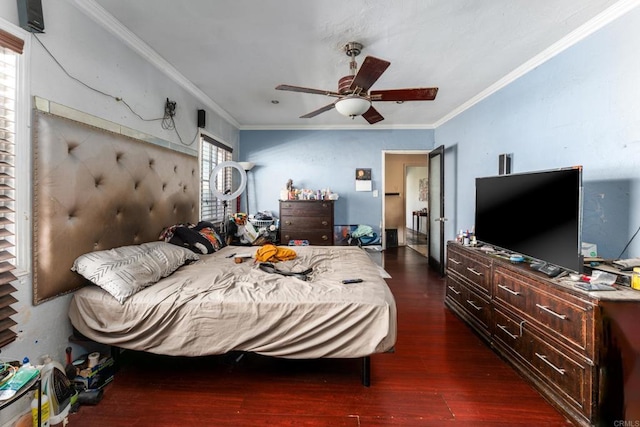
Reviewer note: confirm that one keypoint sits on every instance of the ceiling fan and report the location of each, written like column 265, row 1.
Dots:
column 354, row 98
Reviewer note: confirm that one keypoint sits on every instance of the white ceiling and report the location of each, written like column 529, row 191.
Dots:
column 236, row 52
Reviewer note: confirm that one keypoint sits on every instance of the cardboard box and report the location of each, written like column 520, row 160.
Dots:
column 96, row 377
column 589, row 250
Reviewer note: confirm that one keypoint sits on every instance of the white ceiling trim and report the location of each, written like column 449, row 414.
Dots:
column 364, row 126
column 609, row 15
column 106, row 20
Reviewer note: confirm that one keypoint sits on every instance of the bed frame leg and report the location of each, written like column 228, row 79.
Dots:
column 115, row 354
column 366, row 371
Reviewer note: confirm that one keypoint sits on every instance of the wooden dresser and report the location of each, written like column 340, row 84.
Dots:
column 310, row 220
column 558, row 337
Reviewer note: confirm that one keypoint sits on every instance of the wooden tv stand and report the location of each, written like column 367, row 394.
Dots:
column 573, row 346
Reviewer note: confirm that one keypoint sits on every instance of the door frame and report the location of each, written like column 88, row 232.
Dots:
column 437, row 263
column 384, row 184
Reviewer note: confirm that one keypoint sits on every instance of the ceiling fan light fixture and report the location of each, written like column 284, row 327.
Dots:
column 352, row 106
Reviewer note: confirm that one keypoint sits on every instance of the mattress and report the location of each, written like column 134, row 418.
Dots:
column 215, row 306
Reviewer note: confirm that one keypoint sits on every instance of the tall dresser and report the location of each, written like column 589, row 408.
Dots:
column 310, row 220
column 570, row 344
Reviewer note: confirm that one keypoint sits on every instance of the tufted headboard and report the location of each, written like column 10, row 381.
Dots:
column 95, row 190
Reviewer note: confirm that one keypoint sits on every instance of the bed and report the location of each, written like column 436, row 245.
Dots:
column 125, row 192
column 216, row 306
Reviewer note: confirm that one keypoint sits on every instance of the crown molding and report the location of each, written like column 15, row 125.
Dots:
column 341, row 127
column 106, row 20
column 111, row 24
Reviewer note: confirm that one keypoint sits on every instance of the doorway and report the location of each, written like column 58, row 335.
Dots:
column 404, row 187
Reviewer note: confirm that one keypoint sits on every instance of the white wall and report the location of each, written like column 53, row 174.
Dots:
column 96, row 58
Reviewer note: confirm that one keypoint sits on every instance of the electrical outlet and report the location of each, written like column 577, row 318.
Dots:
column 170, row 108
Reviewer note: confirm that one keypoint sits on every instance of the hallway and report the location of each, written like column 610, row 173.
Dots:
column 417, row 241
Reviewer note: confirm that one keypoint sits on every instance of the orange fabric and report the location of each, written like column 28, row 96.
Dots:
column 273, row 253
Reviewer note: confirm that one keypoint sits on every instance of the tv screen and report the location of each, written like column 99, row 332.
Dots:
column 538, row 214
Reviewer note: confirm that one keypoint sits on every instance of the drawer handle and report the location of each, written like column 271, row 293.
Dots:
column 454, row 290
column 288, row 222
column 548, row 310
column 506, row 331
column 325, row 223
column 544, row 359
column 473, row 304
column 511, row 291
column 477, row 273
column 325, row 237
column 456, row 262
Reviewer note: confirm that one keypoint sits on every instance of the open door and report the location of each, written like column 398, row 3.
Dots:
column 436, row 209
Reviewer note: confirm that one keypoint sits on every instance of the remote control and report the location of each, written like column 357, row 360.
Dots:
column 347, row 281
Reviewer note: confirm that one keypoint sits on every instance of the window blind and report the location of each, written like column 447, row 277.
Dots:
column 212, row 153
column 8, row 78
column 11, row 42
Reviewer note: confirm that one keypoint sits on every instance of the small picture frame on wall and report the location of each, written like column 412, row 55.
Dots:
column 363, row 179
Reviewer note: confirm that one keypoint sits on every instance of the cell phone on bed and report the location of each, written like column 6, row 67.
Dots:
column 347, row 281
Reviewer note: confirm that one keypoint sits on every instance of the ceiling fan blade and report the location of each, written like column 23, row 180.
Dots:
column 306, row 90
column 318, row 111
column 369, row 72
column 372, row 116
column 414, row 94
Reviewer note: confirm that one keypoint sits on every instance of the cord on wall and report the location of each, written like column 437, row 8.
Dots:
column 170, row 106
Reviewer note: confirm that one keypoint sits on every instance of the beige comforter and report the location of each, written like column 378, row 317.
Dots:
column 215, row 306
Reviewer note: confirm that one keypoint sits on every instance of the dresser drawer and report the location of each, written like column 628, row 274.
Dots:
column 475, row 269
column 509, row 330
column 475, row 305
column 315, row 237
column 568, row 377
column 300, row 223
column 563, row 316
column 306, row 208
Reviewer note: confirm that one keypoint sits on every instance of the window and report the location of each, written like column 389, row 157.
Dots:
column 212, row 153
column 10, row 48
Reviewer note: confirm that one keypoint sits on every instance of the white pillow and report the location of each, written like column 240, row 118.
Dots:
column 126, row 270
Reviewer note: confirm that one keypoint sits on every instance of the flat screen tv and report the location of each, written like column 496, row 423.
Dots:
column 537, row 215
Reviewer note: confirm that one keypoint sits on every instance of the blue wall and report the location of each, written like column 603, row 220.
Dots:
column 582, row 107
column 324, row 159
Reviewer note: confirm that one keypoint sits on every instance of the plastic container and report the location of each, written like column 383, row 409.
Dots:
column 260, row 223
column 635, row 279
column 44, row 411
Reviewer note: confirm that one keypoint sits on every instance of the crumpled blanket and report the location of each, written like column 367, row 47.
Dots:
column 272, row 253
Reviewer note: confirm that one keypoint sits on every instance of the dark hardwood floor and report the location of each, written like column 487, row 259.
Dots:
column 440, row 374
